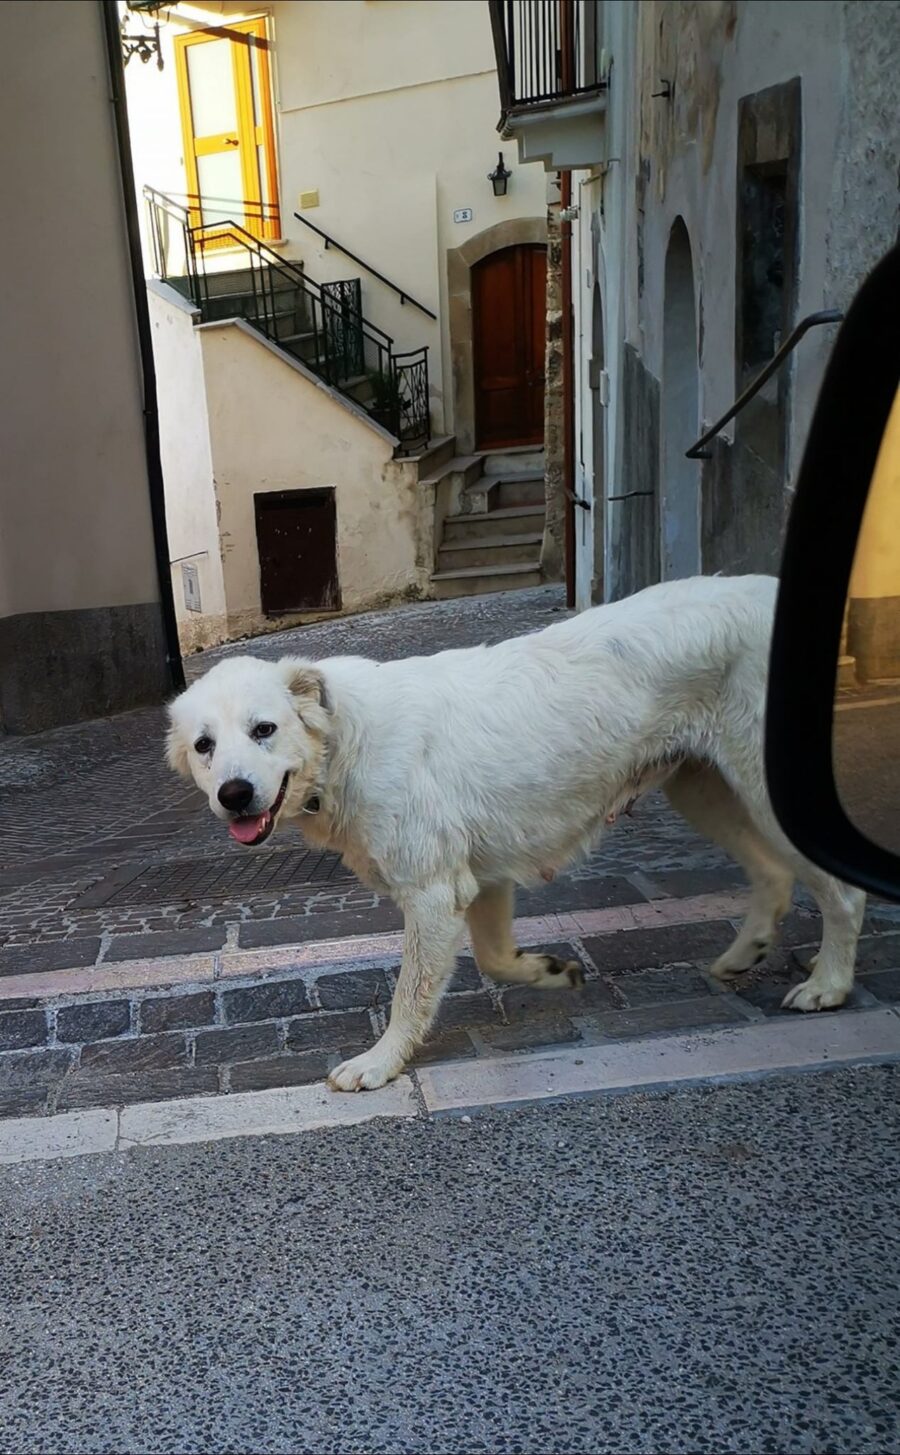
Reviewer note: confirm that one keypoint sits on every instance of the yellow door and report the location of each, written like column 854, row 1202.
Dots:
column 225, row 95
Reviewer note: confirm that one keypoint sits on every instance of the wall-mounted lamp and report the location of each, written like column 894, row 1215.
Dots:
column 499, row 177
column 145, row 45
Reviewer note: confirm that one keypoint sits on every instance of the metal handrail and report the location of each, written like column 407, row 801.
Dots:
column 331, row 242
column 339, row 335
column 812, row 320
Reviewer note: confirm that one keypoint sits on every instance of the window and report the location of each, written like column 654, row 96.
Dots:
column 225, row 96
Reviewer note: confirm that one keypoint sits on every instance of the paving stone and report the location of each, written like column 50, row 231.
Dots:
column 93, row 1021
column 564, row 894
column 353, row 989
column 539, row 1030
column 299, row 1070
column 684, row 883
column 798, row 929
column 767, row 991
column 768, row 995
column 28, row 1077
column 715, row 1010
column 467, row 1009
column 165, row 942
column 676, row 944
column 878, row 952
column 267, row 1001
column 240, row 1043
column 452, row 1046
column 138, row 1053
column 466, row 975
column 21, row 1028
column 177, row 1012
column 57, row 955
column 884, row 984
column 520, row 1001
column 84, row 1088
column 347, row 1031
column 654, row 987
column 29, row 1101
column 881, row 916
column 256, row 934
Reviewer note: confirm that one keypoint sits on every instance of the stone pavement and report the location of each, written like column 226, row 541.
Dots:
column 144, row 955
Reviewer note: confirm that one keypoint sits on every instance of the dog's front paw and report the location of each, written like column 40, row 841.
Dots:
column 815, row 994
column 363, row 1073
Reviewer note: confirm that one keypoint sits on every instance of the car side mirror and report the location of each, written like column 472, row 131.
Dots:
column 832, row 747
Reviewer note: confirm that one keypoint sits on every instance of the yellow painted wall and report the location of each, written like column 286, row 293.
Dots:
column 876, row 568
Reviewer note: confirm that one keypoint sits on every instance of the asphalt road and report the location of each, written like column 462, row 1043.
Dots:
column 712, row 1270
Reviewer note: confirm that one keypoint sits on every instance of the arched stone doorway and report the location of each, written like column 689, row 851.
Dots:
column 679, row 493
column 517, row 232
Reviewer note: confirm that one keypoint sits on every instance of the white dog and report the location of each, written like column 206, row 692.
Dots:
column 445, row 781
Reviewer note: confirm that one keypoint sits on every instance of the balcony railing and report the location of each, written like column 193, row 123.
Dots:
column 320, row 325
column 547, row 50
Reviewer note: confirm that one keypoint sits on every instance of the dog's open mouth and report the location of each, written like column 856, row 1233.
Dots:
column 256, row 830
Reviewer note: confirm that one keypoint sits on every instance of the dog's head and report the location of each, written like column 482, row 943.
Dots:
column 252, row 736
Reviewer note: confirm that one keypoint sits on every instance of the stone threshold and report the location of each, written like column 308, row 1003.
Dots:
column 813, row 1044
column 350, row 952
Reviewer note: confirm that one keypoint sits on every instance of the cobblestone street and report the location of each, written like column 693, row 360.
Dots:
column 145, row 955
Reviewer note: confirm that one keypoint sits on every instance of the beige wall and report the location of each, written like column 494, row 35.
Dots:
column 187, row 467
column 273, row 428
column 388, row 108
column 75, row 527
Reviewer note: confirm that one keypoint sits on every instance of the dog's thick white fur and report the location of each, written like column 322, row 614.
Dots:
column 445, row 781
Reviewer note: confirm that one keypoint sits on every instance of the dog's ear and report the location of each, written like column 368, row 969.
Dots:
column 306, row 685
column 177, row 750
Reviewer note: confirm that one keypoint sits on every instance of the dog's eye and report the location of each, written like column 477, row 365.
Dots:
column 204, row 745
column 264, row 730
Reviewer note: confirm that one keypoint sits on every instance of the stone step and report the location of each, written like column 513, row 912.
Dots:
column 467, row 467
column 438, row 452
column 525, row 488
column 481, row 580
column 495, row 551
column 517, row 461
column 511, row 520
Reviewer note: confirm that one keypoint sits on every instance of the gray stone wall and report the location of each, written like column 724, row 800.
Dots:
column 65, row 666
column 864, row 213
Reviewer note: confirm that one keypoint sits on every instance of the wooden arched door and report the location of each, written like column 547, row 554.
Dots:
column 509, row 329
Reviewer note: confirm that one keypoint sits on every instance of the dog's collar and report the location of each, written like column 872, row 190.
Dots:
column 312, row 804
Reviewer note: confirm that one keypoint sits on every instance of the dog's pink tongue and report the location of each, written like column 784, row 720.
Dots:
column 247, row 830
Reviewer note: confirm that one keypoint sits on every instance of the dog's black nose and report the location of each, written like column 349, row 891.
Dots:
column 236, row 794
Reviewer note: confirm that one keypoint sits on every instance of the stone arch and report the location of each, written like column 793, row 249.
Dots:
column 460, row 262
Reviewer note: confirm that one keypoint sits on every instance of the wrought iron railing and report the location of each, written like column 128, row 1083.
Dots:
column 321, row 325
column 261, row 218
column 546, row 50
column 331, row 242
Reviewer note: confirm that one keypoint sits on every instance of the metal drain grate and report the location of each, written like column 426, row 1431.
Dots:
column 220, row 878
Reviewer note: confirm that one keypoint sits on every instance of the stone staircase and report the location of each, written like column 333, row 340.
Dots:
column 489, row 522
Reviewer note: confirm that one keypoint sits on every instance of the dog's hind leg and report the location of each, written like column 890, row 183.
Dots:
column 842, row 908
column 433, row 926
column 490, row 918
column 702, row 796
